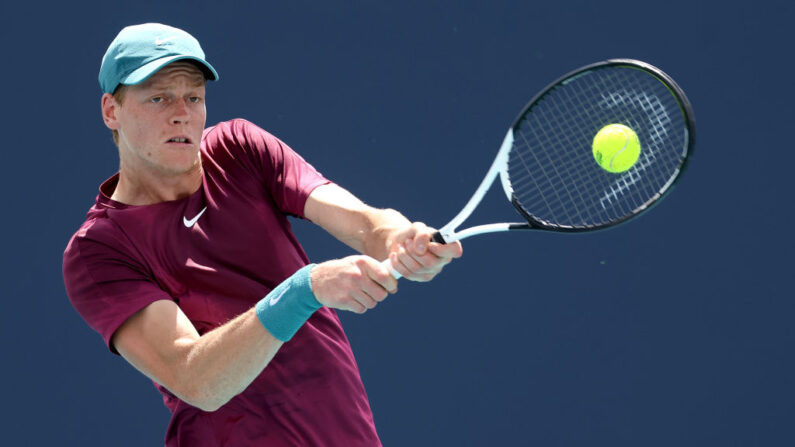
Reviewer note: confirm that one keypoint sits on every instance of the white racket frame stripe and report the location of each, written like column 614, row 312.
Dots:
column 498, row 167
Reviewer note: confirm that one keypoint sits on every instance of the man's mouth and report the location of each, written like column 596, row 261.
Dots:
column 179, row 140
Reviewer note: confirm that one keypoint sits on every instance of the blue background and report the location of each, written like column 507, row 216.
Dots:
column 675, row 329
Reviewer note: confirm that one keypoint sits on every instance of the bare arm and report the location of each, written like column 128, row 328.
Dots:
column 207, row 371
column 361, row 227
column 204, row 371
column 379, row 233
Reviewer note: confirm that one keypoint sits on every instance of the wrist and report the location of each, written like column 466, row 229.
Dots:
column 389, row 232
column 287, row 307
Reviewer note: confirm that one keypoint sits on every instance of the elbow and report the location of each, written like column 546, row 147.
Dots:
column 202, row 397
column 208, row 405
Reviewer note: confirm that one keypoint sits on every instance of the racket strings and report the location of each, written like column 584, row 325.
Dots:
column 551, row 167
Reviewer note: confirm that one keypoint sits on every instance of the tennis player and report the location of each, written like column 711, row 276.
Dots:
column 187, row 267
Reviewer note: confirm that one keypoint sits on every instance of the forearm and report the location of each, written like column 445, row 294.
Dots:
column 366, row 229
column 208, row 370
column 223, row 362
column 204, row 371
column 383, row 226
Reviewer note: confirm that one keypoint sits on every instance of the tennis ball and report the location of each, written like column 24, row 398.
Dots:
column 616, row 148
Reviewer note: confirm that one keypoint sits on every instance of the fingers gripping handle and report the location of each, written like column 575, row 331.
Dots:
column 388, row 264
column 437, row 237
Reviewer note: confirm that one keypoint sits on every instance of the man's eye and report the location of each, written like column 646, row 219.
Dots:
column 157, row 99
column 194, row 99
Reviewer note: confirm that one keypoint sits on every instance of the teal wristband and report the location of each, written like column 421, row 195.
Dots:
column 289, row 305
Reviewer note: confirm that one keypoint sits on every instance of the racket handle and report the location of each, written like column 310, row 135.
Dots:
column 437, row 237
column 388, row 264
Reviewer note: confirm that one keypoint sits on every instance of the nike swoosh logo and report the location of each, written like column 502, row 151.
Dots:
column 159, row 41
column 276, row 298
column 189, row 222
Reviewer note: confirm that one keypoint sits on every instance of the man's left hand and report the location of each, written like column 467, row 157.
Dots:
column 415, row 256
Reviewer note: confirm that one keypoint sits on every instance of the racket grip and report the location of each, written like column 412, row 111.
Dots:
column 436, row 237
column 388, row 264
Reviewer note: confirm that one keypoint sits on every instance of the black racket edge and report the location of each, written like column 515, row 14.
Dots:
column 687, row 111
column 437, row 236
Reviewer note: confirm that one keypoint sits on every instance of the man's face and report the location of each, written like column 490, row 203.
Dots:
column 160, row 121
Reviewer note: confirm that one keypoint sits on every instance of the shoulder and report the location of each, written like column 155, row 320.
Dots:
column 98, row 239
column 105, row 278
column 239, row 143
column 237, row 131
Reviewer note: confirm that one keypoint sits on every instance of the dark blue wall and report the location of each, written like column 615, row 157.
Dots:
column 675, row 329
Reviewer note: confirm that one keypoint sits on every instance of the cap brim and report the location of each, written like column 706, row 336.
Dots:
column 143, row 73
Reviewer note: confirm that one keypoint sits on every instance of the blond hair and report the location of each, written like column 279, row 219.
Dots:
column 118, row 96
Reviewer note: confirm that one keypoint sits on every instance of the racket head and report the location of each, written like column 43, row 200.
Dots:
column 551, row 176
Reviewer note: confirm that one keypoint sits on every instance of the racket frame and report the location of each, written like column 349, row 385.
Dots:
column 499, row 167
column 448, row 234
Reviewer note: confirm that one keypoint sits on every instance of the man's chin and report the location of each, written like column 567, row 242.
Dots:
column 181, row 166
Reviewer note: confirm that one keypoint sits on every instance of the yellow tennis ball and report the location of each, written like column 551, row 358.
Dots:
column 616, row 148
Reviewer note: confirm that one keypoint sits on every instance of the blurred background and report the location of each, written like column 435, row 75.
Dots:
column 675, row 329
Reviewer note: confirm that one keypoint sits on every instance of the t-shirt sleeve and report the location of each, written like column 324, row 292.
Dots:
column 105, row 285
column 288, row 178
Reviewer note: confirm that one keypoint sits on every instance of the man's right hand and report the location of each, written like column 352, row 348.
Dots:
column 356, row 283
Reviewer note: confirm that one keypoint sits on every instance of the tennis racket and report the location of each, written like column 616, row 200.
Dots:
column 546, row 164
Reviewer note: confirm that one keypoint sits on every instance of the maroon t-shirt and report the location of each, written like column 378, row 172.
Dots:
column 216, row 253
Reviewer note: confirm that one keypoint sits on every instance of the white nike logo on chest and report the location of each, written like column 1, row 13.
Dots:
column 189, row 222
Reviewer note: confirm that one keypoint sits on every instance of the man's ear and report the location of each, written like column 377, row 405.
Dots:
column 109, row 109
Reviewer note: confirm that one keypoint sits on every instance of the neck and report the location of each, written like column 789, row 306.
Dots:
column 147, row 188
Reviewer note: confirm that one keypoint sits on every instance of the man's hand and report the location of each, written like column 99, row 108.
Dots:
column 380, row 233
column 416, row 257
column 356, row 283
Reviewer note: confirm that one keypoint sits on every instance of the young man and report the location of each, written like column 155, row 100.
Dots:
column 182, row 244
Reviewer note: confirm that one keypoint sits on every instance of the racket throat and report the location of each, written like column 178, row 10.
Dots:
column 499, row 167
column 479, row 229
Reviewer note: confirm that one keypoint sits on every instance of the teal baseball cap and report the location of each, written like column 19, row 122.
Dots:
column 139, row 51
